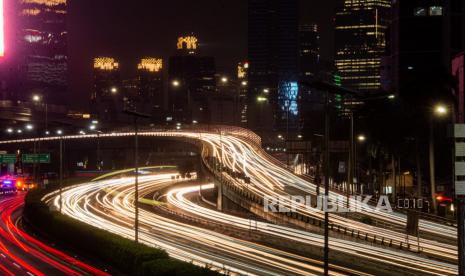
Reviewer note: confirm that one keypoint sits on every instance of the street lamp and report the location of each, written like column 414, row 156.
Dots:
column 244, row 83
column 440, row 110
column 114, row 90
column 176, row 83
column 9, row 130
column 29, row 127
column 92, row 127
column 36, row 98
column 361, row 138
column 224, row 79
column 59, row 132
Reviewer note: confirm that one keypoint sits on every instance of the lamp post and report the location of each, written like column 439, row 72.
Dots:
column 60, row 133
column 440, row 110
column 136, row 116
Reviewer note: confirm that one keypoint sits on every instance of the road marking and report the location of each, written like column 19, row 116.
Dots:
column 29, row 273
column 17, row 265
column 3, row 255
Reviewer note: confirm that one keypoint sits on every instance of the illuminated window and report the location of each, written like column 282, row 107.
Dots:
column 419, row 11
column 435, row 11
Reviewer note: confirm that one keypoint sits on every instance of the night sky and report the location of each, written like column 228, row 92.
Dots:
column 128, row 30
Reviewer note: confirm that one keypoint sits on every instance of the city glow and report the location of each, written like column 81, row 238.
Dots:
column 150, row 64
column 2, row 30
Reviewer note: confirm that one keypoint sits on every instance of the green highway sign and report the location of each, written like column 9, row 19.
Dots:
column 7, row 158
column 36, row 158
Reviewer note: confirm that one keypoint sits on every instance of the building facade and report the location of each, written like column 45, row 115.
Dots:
column 273, row 49
column 191, row 81
column 309, row 49
column 150, row 94
column 107, row 97
column 426, row 35
column 361, row 29
column 42, row 50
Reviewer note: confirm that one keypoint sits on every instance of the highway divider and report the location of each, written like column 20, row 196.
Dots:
column 120, row 253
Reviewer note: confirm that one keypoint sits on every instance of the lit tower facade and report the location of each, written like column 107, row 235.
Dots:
column 273, row 48
column 150, row 86
column 106, row 98
column 360, row 42
column 42, row 50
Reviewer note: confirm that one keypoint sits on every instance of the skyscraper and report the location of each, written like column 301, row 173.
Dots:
column 106, row 98
column 360, row 42
column 309, row 50
column 42, row 53
column 150, row 86
column 192, row 79
column 273, row 48
column 426, row 35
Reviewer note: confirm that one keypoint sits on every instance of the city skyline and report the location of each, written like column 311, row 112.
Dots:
column 226, row 42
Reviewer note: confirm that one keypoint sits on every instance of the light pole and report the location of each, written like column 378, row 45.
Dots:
column 440, row 110
column 60, row 133
column 136, row 116
column 327, row 172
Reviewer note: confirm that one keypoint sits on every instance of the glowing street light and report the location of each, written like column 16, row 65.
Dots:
column 114, row 90
column 47, row 132
column 19, row 131
column 261, row 99
column 361, row 138
column 176, row 83
column 29, row 127
column 95, row 122
column 244, row 83
column 224, row 79
column 9, row 130
column 392, row 97
column 59, row 132
column 36, row 98
column 440, row 110
column 92, row 127
column 266, row 90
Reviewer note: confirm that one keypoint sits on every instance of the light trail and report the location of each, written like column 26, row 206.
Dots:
column 109, row 205
column 177, row 197
column 25, row 252
column 268, row 178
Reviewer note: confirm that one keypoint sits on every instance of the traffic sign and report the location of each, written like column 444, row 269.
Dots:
column 36, row 158
column 7, row 158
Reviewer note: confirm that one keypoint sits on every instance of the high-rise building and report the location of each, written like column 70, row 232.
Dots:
column 425, row 38
column 42, row 49
column 309, row 50
column 360, row 42
column 192, row 79
column 106, row 97
column 273, row 48
column 150, row 96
